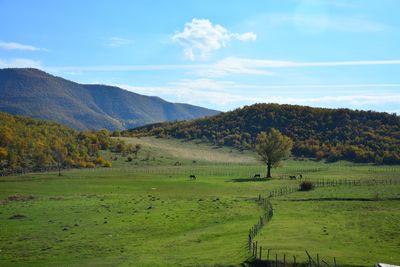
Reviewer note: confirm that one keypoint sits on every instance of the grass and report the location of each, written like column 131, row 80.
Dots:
column 357, row 225
column 189, row 151
column 148, row 213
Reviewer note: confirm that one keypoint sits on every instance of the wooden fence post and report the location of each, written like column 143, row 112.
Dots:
column 249, row 242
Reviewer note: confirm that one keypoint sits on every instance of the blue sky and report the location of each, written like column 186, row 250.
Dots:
column 217, row 54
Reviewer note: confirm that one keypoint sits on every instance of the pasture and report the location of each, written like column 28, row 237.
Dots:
column 147, row 212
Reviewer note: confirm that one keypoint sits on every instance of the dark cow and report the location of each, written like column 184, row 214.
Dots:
column 192, row 177
column 292, row 177
column 257, row 175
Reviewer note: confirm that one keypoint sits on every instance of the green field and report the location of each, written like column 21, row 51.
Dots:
column 147, row 212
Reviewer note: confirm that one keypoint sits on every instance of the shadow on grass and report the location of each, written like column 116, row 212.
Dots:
column 244, row 180
column 266, row 263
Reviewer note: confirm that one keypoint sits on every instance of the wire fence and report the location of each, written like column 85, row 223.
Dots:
column 257, row 251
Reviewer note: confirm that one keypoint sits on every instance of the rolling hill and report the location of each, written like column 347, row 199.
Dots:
column 333, row 134
column 38, row 94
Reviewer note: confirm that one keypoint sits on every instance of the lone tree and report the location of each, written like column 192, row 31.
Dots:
column 60, row 153
column 137, row 149
column 272, row 148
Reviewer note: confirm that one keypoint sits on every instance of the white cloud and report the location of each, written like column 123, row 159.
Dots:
column 200, row 38
column 112, row 68
column 203, row 84
column 224, row 95
column 320, row 23
column 18, row 46
column 225, row 67
column 248, row 36
column 20, row 63
column 346, row 100
column 191, row 95
column 118, row 42
column 235, row 65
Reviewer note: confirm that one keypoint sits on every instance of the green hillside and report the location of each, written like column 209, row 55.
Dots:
column 333, row 134
column 34, row 93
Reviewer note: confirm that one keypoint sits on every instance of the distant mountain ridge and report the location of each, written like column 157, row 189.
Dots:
column 35, row 93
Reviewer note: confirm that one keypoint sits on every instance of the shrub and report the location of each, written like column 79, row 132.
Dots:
column 130, row 158
column 82, row 164
column 100, row 160
column 306, row 186
column 107, row 164
column 70, row 162
column 90, row 165
column 3, row 153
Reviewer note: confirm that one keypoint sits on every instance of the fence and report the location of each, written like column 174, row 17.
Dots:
column 349, row 182
column 257, row 251
column 23, row 171
column 267, row 215
column 265, row 257
column 266, row 205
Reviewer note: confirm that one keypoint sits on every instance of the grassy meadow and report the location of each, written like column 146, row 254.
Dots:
column 147, row 212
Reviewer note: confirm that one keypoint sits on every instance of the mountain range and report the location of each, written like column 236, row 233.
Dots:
column 35, row 93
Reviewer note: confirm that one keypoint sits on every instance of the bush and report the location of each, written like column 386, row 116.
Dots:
column 90, row 165
column 130, row 159
column 306, row 186
column 107, row 164
column 100, row 160
column 82, row 164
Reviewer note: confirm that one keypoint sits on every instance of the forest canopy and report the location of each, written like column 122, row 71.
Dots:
column 331, row 134
column 31, row 144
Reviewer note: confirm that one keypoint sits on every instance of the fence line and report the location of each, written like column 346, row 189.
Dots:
column 257, row 251
column 265, row 257
column 353, row 182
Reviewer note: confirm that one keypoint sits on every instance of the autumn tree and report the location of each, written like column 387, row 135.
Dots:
column 60, row 153
column 272, row 148
column 137, row 149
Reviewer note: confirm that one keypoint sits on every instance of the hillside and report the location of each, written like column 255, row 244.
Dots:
column 361, row 136
column 38, row 94
column 28, row 144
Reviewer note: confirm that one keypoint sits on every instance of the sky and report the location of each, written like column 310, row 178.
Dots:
column 216, row 54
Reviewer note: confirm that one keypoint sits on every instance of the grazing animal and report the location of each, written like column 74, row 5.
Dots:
column 257, row 175
column 292, row 177
column 301, row 176
column 192, row 177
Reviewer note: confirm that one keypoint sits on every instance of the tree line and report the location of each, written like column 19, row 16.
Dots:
column 331, row 134
column 31, row 144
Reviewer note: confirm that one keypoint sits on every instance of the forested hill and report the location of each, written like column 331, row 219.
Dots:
column 28, row 144
column 361, row 136
column 35, row 93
